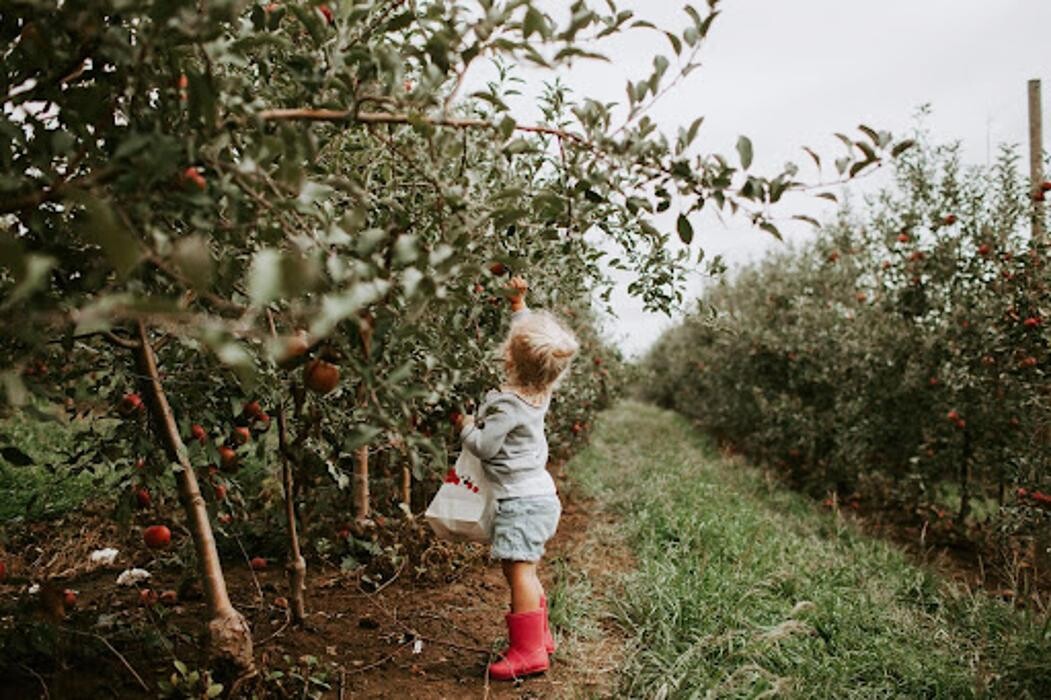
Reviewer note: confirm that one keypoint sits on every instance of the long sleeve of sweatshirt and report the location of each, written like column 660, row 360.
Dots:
column 484, row 439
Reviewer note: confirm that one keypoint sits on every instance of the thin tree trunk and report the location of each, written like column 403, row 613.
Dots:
column 965, row 481
column 361, row 457
column 406, row 488
column 297, row 565
column 230, row 638
column 361, row 484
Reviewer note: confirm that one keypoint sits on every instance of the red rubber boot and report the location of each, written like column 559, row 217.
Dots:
column 549, row 641
column 526, row 654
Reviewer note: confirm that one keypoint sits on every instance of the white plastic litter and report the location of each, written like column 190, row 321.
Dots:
column 129, row 577
column 105, row 557
column 34, row 589
column 417, row 646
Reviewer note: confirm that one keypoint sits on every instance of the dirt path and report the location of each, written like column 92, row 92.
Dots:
column 375, row 636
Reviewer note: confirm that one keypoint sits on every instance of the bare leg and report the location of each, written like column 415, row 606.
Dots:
column 525, row 585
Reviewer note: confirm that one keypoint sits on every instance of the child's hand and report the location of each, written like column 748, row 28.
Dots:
column 518, row 288
column 460, row 421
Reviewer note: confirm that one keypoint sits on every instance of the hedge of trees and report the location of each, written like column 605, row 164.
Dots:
column 901, row 355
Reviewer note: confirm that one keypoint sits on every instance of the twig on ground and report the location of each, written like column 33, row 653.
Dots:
column 282, row 628
column 47, row 695
column 385, row 659
column 116, row 653
column 255, row 579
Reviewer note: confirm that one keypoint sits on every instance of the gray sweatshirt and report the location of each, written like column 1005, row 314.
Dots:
column 508, row 437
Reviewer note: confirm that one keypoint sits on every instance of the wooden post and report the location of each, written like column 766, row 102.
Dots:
column 1036, row 159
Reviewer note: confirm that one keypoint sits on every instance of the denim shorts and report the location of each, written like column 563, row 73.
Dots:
column 522, row 526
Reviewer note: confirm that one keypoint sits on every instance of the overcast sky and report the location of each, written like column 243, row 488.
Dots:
column 789, row 73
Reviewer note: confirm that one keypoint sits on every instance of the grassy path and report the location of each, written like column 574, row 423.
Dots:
column 742, row 589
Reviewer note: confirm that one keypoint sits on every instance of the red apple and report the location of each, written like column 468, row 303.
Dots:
column 321, row 377
column 326, row 13
column 498, row 269
column 903, row 238
column 984, row 250
column 949, row 219
column 157, row 536
column 199, row 434
column 227, row 457
column 1045, row 186
column 281, row 602
column 225, row 518
column 142, row 497
column 252, row 409
column 1031, row 322
column 169, row 598
column 953, row 415
column 69, row 598
column 240, row 436
column 140, row 464
column 220, row 492
column 258, row 564
column 194, row 177
column 147, row 597
column 131, row 403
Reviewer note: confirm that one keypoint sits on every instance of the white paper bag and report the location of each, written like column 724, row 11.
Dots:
column 464, row 506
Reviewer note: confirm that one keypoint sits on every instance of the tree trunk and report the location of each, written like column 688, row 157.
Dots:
column 361, row 484
column 361, row 457
column 406, row 488
column 297, row 565
column 230, row 639
column 965, row 481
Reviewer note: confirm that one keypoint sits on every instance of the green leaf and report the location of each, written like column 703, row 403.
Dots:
column 744, row 150
column 871, row 133
column 193, row 258
column 214, row 690
column 101, row 225
column 807, row 219
column 685, row 229
column 264, row 277
column 771, row 229
column 32, row 276
column 534, row 23
column 902, row 147
column 814, row 156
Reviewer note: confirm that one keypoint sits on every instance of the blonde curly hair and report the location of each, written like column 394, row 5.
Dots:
column 537, row 352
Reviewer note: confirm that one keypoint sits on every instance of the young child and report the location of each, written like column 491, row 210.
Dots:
column 508, row 437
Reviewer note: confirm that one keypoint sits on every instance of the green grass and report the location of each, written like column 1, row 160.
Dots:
column 45, row 488
column 745, row 590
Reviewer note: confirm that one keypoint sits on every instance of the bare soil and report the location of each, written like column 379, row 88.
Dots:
column 411, row 637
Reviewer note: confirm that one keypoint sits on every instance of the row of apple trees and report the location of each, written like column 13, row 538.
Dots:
column 276, row 237
column 902, row 355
